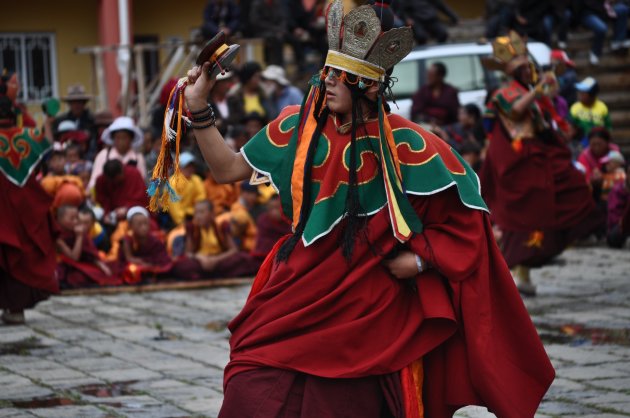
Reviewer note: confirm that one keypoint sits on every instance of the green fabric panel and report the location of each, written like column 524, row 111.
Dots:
column 425, row 179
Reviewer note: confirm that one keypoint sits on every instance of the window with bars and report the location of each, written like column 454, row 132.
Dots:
column 32, row 56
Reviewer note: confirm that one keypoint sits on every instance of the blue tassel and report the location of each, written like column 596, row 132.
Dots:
column 153, row 186
column 171, row 192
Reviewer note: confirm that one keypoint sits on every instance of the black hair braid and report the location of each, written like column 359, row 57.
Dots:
column 287, row 248
column 354, row 223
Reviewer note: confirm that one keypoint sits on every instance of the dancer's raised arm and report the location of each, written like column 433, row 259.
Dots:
column 225, row 165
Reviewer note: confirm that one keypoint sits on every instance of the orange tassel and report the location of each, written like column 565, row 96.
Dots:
column 535, row 239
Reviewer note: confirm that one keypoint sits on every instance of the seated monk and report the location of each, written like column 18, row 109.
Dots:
column 119, row 188
column 271, row 227
column 142, row 255
column 241, row 215
column 222, row 196
column 210, row 249
column 64, row 188
column 95, row 230
column 78, row 260
column 190, row 191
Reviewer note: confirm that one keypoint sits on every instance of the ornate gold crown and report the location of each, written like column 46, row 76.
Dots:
column 357, row 45
column 508, row 53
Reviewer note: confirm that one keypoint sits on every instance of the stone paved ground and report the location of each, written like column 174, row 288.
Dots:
column 161, row 354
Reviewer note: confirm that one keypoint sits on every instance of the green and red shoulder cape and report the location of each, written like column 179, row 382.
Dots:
column 428, row 165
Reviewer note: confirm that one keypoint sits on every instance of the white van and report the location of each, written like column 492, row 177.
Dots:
column 465, row 72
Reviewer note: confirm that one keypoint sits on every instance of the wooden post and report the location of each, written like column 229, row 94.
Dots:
column 140, row 85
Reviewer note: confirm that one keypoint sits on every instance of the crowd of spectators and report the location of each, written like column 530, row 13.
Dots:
column 98, row 174
column 98, row 171
column 590, row 136
column 550, row 22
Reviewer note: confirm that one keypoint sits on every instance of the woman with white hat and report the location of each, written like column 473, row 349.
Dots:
column 121, row 138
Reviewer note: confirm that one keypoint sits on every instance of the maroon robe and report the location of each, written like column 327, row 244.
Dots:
column 27, row 247
column 319, row 315
column 538, row 198
column 152, row 251
column 128, row 192
column 83, row 272
column 269, row 231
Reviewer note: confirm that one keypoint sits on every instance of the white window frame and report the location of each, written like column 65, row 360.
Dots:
column 25, row 72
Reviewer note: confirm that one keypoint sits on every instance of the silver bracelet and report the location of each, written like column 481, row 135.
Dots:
column 419, row 263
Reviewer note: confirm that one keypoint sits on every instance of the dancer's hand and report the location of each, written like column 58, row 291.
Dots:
column 199, row 87
column 403, row 266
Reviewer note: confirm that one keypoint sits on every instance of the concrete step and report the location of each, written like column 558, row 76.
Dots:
column 614, row 81
column 608, row 63
column 620, row 118
column 622, row 134
column 617, row 100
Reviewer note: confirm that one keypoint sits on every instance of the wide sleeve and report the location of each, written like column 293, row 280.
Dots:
column 451, row 240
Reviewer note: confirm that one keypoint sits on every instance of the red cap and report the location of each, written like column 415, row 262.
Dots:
column 560, row 55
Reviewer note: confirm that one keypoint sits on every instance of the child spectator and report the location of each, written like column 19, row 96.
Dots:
column 141, row 255
column 120, row 138
column 615, row 172
column 589, row 112
column 190, row 191
column 65, row 189
column 619, row 213
column 591, row 160
column 119, row 188
column 68, row 132
column 79, row 263
column 95, row 230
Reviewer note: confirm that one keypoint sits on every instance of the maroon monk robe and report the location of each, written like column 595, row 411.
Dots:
column 269, row 231
column 128, row 192
column 532, row 189
column 27, row 247
column 316, row 314
column 152, row 251
column 441, row 109
column 82, row 272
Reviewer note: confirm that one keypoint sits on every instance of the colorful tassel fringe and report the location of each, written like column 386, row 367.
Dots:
column 162, row 188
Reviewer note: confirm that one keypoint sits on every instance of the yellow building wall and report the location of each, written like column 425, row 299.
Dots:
column 166, row 19
column 74, row 23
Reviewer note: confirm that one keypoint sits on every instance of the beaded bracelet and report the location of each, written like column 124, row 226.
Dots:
column 206, row 117
column 199, row 116
column 212, row 123
column 199, row 112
